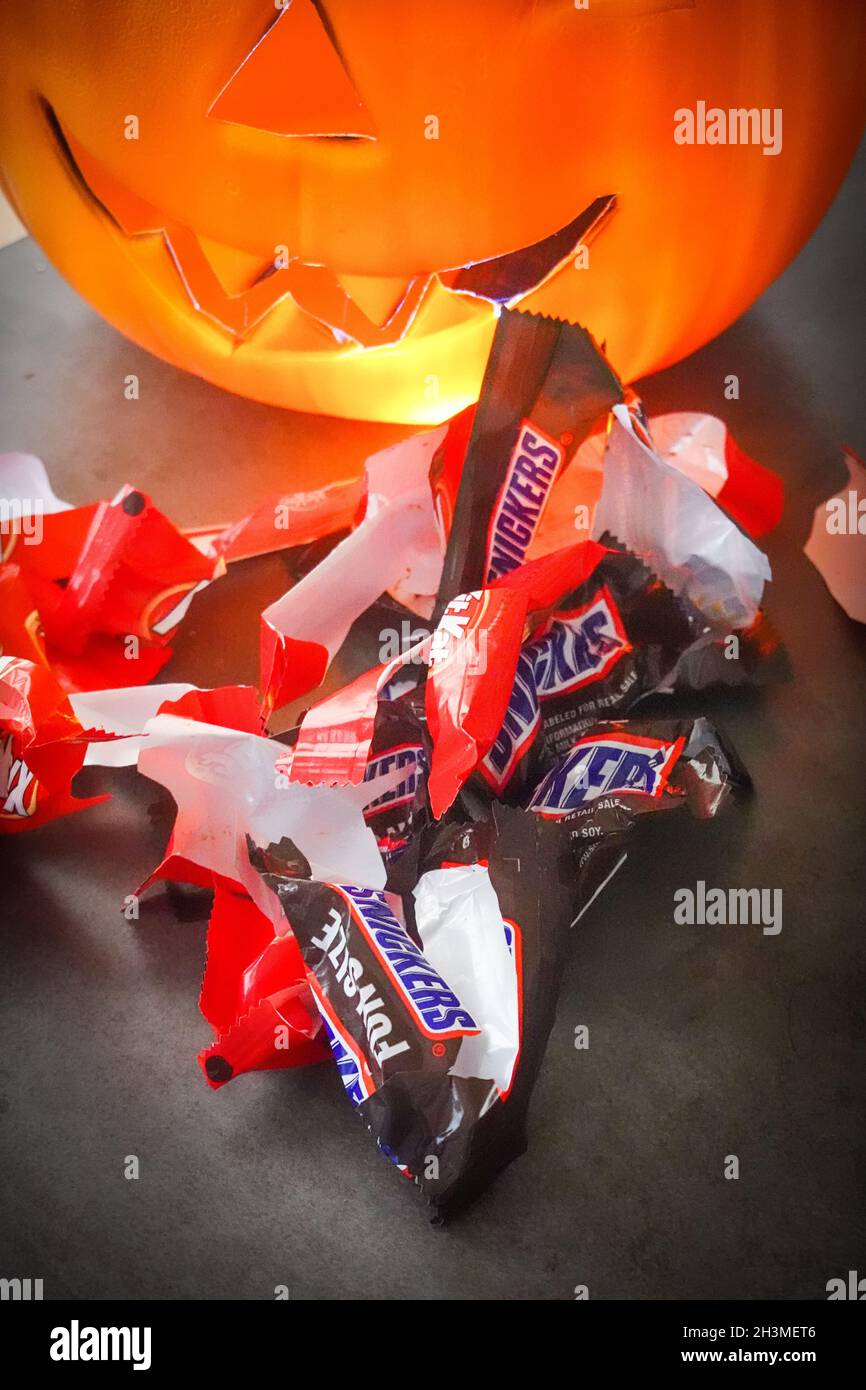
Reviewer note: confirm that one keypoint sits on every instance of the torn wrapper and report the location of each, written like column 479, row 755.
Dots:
column 395, row 547
column 97, row 592
column 229, row 791
column 462, row 933
column 254, row 994
column 837, row 541
column 42, row 747
column 702, row 448
column 686, row 539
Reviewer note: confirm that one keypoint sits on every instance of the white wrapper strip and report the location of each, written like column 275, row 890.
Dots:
column 124, row 711
column 23, row 481
column 695, row 445
column 226, row 787
column 684, row 536
column 837, row 541
column 395, row 548
column 463, row 937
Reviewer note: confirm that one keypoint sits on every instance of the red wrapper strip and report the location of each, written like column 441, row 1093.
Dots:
column 135, row 575
column 333, row 745
column 473, row 657
column 41, row 748
column 254, row 994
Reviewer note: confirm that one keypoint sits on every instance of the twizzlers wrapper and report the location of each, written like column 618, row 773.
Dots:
column 545, row 386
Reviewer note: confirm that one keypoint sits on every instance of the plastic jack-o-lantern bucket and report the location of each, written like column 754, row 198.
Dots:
column 320, row 204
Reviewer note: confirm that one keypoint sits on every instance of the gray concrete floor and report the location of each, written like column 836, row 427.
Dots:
column 704, row 1042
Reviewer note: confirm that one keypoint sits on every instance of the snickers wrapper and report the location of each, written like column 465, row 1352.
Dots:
column 613, row 639
column 404, row 1039
column 387, row 1006
column 618, row 772
column 529, row 864
column 400, row 742
column 546, row 385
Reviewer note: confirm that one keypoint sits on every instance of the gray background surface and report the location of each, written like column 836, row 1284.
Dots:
column 704, row 1041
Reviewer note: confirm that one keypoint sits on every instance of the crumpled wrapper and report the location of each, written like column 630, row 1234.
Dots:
column 375, row 900
column 661, row 514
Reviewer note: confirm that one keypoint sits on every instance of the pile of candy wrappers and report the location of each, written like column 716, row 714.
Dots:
column 396, row 879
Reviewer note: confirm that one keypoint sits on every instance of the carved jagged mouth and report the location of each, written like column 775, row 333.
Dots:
column 315, row 289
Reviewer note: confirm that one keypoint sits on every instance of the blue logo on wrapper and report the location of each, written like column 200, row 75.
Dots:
column 602, row 766
column 532, row 469
column 352, row 1076
column 581, row 646
column 409, row 758
column 343, row 1047
column 519, row 726
column 430, row 1000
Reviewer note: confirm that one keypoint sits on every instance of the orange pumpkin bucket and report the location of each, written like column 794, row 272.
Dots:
column 320, row 205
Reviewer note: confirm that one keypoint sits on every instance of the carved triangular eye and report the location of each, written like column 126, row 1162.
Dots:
column 294, row 83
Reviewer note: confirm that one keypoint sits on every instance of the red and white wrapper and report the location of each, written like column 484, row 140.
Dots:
column 228, row 789
column 663, row 515
column 472, row 655
column 395, row 548
column 42, row 747
column 255, row 994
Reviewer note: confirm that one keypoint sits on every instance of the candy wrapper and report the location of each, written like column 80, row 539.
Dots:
column 204, row 747
column 97, row 592
column 49, row 736
column 609, row 642
column 472, row 657
column 545, row 386
column 622, row 770
column 254, row 994
column 401, row 744
column 394, row 880
column 42, row 747
column 94, row 592
column 837, row 541
column 518, row 670
column 228, row 789
column 441, row 1081
column 701, row 447
column 489, row 693
column 394, row 547
column 662, row 515
column 439, row 1029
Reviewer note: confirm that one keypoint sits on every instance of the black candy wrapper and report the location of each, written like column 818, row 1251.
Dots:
column 531, row 874
column 546, row 385
column 395, row 1024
